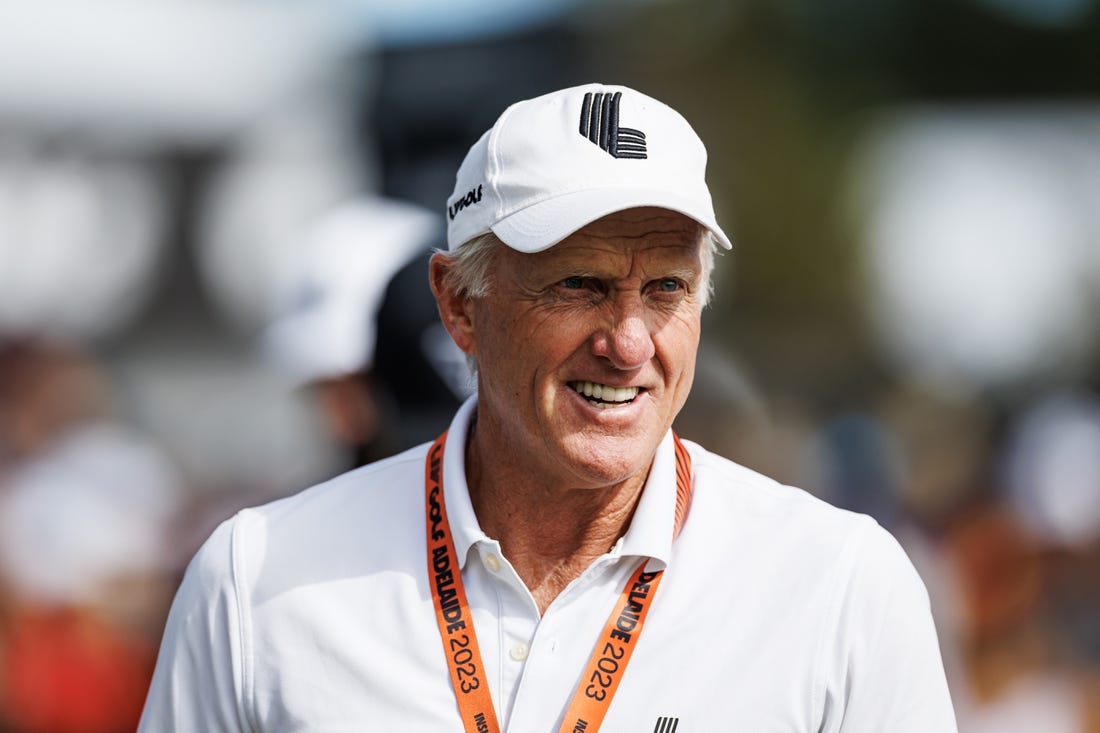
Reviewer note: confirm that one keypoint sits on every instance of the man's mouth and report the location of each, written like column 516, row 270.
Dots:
column 603, row 395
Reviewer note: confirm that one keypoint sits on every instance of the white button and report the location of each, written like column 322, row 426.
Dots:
column 492, row 562
column 519, row 652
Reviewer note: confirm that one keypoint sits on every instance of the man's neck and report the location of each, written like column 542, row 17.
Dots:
column 548, row 532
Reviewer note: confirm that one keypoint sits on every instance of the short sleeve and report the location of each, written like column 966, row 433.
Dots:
column 198, row 685
column 881, row 664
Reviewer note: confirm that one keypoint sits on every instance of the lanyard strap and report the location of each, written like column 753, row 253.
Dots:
column 613, row 648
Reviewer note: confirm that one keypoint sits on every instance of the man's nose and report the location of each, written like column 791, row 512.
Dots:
column 625, row 339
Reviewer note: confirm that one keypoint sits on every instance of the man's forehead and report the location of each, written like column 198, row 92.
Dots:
column 617, row 255
column 642, row 222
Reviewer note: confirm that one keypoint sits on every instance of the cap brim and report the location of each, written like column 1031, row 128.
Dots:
column 544, row 224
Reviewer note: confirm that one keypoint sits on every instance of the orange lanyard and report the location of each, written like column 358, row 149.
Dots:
column 613, row 649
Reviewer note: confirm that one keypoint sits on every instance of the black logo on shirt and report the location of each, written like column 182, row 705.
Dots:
column 666, row 725
column 600, row 124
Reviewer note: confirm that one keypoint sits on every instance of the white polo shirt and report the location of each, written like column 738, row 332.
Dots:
column 777, row 612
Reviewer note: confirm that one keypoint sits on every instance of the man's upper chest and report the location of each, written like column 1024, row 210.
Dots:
column 366, row 653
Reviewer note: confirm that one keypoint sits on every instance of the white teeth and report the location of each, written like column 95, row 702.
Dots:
column 604, row 395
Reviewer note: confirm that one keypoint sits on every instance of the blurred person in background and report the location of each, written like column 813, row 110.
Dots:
column 999, row 513
column 1010, row 677
column 579, row 262
column 360, row 330
column 45, row 389
column 86, row 509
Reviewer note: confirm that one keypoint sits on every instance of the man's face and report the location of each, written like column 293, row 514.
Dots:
column 586, row 351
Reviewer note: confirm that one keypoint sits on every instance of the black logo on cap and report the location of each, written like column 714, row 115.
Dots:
column 600, row 124
column 471, row 198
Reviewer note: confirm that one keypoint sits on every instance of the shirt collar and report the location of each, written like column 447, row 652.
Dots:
column 465, row 529
column 650, row 531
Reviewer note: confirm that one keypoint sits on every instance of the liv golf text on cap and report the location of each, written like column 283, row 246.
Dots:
column 553, row 164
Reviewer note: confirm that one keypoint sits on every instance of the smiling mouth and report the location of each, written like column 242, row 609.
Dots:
column 604, row 396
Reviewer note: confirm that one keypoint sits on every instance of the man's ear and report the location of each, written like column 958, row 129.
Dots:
column 455, row 309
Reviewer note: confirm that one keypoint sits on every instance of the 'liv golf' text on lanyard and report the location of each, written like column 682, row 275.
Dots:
column 614, row 647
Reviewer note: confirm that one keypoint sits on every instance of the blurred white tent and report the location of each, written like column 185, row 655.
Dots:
column 981, row 241
column 183, row 71
column 91, row 93
column 79, row 240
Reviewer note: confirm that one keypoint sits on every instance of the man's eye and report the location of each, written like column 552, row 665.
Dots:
column 668, row 285
column 573, row 283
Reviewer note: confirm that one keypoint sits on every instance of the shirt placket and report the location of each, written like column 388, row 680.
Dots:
column 517, row 620
column 561, row 644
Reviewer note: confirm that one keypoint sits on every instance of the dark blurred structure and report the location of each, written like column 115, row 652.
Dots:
column 422, row 374
column 87, row 561
column 432, row 102
column 360, row 332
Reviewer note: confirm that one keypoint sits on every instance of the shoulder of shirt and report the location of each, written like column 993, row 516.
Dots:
column 738, row 512
column 315, row 517
column 748, row 497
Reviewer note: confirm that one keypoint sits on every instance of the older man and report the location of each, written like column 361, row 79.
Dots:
column 559, row 560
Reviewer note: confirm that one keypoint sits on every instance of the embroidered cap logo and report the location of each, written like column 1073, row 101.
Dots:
column 471, row 198
column 600, row 124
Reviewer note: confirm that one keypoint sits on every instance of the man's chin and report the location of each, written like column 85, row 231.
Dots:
column 608, row 459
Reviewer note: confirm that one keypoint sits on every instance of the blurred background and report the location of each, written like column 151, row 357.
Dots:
column 215, row 218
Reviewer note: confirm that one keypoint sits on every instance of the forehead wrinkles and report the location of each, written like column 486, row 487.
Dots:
column 657, row 225
column 619, row 250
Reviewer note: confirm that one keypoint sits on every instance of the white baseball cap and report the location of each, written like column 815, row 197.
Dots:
column 553, row 164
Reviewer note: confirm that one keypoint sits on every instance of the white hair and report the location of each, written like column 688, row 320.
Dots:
column 472, row 265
